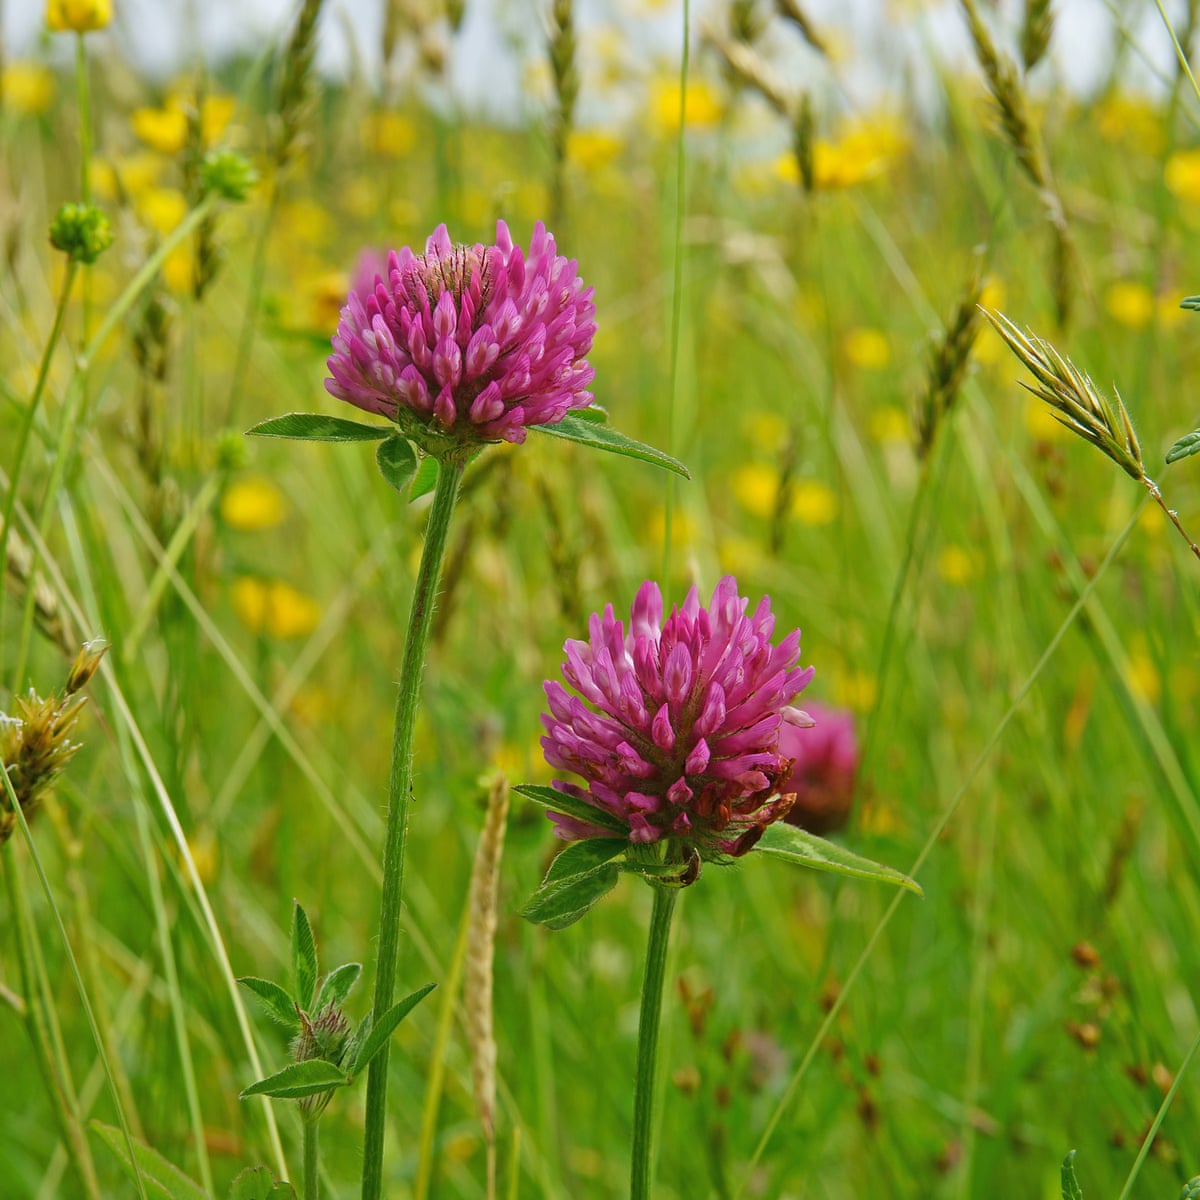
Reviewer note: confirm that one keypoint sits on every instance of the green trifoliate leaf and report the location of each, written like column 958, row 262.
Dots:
column 556, row 801
column 1187, row 445
column 257, row 1183
column 562, row 902
column 382, row 1029
column 162, row 1179
column 425, row 480
column 807, row 850
column 397, row 462
column 581, row 858
column 297, row 1080
column 601, row 437
column 1070, row 1185
column 275, row 1001
column 337, row 985
column 316, row 427
column 304, row 958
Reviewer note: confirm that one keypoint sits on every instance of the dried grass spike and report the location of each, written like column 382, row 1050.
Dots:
column 948, row 365
column 1037, row 27
column 481, row 937
column 1074, row 398
column 791, row 11
column 294, row 90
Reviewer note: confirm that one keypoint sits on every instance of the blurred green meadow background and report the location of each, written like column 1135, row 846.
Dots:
column 778, row 338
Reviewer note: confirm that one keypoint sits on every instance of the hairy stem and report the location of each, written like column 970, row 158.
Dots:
column 644, row 1107
column 420, row 622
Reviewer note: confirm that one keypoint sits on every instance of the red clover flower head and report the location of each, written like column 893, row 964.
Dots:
column 468, row 343
column 679, row 737
column 824, row 766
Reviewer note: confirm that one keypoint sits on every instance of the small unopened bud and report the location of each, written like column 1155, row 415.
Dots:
column 230, row 174
column 81, row 231
column 78, row 16
column 86, row 664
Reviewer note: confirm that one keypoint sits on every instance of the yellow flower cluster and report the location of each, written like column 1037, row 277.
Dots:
column 78, row 16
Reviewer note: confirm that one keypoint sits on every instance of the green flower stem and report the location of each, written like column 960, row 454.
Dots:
column 31, row 845
column 420, row 620
column 73, row 415
column 644, row 1108
column 37, row 1012
column 14, row 476
column 83, row 99
column 312, row 1156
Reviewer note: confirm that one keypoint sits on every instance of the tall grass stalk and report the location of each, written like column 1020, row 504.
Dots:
column 677, row 279
column 420, row 621
column 39, row 387
column 81, row 991
column 939, row 826
column 41, row 1023
column 70, row 424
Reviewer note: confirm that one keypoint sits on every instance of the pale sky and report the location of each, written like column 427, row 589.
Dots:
column 500, row 36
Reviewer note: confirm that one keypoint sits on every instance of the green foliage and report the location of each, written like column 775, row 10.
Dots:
column 1187, row 445
column 805, row 849
column 601, row 437
column 314, row 427
column 397, row 461
column 1070, row 1185
column 160, row 1177
column 258, row 1183
column 379, row 1031
column 81, row 231
column 304, row 957
column 297, row 1080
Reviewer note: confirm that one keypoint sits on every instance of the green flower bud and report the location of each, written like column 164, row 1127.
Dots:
column 81, row 231
column 1191, row 1189
column 228, row 173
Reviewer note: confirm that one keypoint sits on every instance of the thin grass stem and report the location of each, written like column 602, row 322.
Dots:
column 19, row 813
column 935, row 834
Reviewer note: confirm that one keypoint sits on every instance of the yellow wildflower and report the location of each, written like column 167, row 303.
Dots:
column 592, row 149
column 252, row 504
column 867, row 348
column 701, row 106
column 328, row 295
column 1182, row 175
column 683, row 526
column 131, row 176
column 957, row 565
column 813, row 503
column 756, row 488
column 215, row 114
column 27, row 87
column 1142, row 675
column 992, row 294
column 162, row 208
column 1042, row 423
column 889, row 424
column 1130, row 304
column 78, row 16
column 162, row 129
column 178, row 270
column 1130, row 119
column 273, row 607
column 855, row 689
column 390, row 134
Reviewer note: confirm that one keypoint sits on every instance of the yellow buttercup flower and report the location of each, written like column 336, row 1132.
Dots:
column 1131, row 304
column 592, row 149
column 813, row 503
column 162, row 129
column 957, row 565
column 78, row 16
column 756, row 487
column 162, row 208
column 889, row 424
column 701, row 106
column 252, row 504
column 27, row 87
column 1182, row 175
column 390, row 134
column 273, row 607
column 1134, row 120
column 867, row 348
